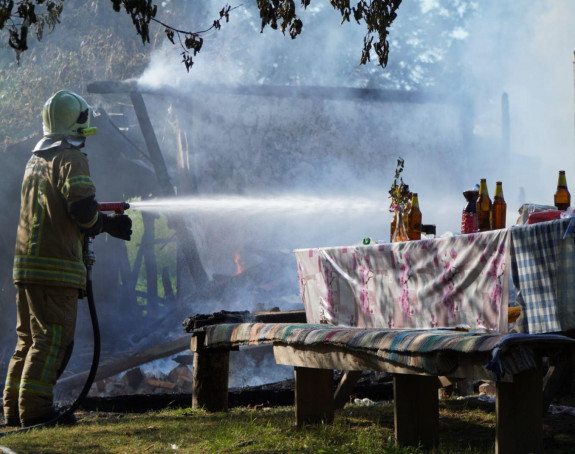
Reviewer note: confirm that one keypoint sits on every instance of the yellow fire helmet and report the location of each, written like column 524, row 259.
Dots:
column 66, row 115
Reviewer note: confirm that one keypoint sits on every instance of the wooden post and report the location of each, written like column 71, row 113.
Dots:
column 210, row 377
column 147, row 245
column 416, row 408
column 518, row 409
column 185, row 239
column 346, row 387
column 313, row 395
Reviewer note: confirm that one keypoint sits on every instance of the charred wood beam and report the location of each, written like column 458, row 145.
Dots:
column 195, row 322
column 285, row 91
column 464, row 103
column 152, row 144
column 151, row 267
column 112, row 368
column 167, row 284
column 185, row 238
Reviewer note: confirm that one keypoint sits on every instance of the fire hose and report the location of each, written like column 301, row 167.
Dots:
column 89, row 259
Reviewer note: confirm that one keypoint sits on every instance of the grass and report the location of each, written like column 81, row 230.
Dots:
column 465, row 428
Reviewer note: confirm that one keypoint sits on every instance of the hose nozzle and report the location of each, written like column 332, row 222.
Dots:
column 116, row 207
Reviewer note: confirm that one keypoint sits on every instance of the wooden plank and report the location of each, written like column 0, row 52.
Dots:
column 313, row 396
column 331, row 357
column 416, row 410
column 518, row 409
column 346, row 387
column 280, row 317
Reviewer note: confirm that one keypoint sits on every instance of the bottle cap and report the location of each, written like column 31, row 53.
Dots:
column 428, row 229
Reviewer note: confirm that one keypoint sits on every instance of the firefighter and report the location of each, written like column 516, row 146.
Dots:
column 58, row 207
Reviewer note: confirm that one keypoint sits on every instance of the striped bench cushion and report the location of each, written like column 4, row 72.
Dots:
column 424, row 350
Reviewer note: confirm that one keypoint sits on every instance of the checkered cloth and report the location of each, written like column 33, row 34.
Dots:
column 543, row 266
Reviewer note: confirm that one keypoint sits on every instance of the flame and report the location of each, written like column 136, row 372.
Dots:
column 239, row 264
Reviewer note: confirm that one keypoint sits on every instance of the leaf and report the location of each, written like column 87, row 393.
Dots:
column 170, row 35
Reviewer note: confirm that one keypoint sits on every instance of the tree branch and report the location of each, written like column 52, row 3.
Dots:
column 17, row 17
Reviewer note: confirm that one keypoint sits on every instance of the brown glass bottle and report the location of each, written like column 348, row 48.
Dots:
column 499, row 208
column 483, row 207
column 407, row 207
column 414, row 219
column 562, row 197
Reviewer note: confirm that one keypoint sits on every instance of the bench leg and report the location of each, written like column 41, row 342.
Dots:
column 416, row 410
column 518, row 409
column 210, row 379
column 314, row 401
column 559, row 383
column 346, row 387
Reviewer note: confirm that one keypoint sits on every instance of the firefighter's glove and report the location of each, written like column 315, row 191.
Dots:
column 118, row 225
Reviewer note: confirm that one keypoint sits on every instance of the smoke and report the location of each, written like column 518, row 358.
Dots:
column 523, row 50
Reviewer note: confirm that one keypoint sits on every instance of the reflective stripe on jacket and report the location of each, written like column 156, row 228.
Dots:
column 49, row 241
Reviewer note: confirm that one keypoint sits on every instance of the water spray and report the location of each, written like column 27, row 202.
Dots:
column 286, row 205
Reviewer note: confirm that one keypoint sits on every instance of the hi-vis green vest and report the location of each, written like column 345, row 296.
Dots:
column 49, row 242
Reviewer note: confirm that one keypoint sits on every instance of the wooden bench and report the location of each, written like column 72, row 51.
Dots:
column 416, row 358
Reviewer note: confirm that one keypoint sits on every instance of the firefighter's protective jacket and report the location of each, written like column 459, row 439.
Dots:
column 58, row 204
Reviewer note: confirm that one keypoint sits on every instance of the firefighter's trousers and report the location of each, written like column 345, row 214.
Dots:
column 45, row 329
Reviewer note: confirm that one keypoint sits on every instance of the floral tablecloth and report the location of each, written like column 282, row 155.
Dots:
column 444, row 282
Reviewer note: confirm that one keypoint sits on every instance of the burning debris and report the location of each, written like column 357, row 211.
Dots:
column 151, row 371
column 137, row 381
column 197, row 321
column 274, row 316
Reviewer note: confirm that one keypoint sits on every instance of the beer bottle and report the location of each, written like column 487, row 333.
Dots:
column 407, row 207
column 499, row 208
column 562, row 196
column 414, row 219
column 483, row 207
